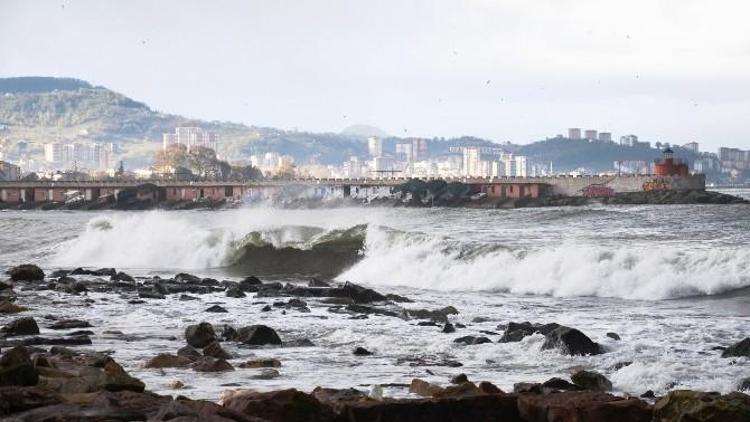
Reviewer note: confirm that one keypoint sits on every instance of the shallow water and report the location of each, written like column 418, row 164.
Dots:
column 672, row 281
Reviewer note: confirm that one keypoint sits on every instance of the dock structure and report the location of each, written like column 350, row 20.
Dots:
column 176, row 191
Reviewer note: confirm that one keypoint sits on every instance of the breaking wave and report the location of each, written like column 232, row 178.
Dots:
column 378, row 255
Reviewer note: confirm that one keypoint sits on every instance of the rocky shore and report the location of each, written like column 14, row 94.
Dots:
column 65, row 377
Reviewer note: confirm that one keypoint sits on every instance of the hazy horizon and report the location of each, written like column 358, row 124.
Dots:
column 672, row 71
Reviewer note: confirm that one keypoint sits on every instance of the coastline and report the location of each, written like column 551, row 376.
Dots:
column 42, row 375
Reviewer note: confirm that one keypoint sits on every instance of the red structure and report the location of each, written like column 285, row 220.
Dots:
column 595, row 191
column 669, row 166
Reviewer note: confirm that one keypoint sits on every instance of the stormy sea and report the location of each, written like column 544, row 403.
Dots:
column 661, row 289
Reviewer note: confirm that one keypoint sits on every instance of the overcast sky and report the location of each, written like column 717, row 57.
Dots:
column 672, row 71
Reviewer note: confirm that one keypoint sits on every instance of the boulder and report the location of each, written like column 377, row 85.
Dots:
column 187, row 278
column 210, row 364
column 249, row 284
column 570, row 341
column 591, row 381
column 424, row 388
column 459, row 379
column 124, row 277
column 189, row 352
column 744, row 385
column 24, row 326
column 200, row 335
column 260, row 363
column 314, row 282
column 59, row 273
column 116, row 379
column 26, row 272
column 581, row 406
column 738, row 349
column 66, row 324
column 7, row 307
column 472, row 340
column 257, row 335
column 280, row 406
column 16, row 368
column 613, row 336
column 167, row 360
column 489, row 388
column 215, row 350
column 217, row 309
column 698, row 406
column 234, row 292
column 480, row 407
column 449, row 328
column 558, row 384
column 266, row 374
column 361, row 351
column 361, row 294
column 516, row 331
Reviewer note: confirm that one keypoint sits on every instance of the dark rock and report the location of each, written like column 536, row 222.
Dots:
column 314, row 282
column 281, row 406
column 188, row 297
column 143, row 294
column 235, row 292
column 424, row 388
column 304, row 342
column 619, row 365
column 80, row 333
column 217, row 309
column 439, row 315
column 38, row 341
column 516, row 331
column 449, row 328
column 189, row 352
column 261, row 363
column 648, row 395
column 459, row 379
column 215, row 350
column 472, row 340
column 489, row 388
column 187, row 278
column 266, row 308
column 210, row 364
column 398, row 299
column 17, row 369
column 249, row 284
column 227, row 332
column 7, row 307
column 167, row 360
column 296, row 303
column 739, row 349
column 697, row 406
column 266, row 374
column 559, row 384
column 581, row 406
column 160, row 288
column 257, row 335
column 24, row 326
column 123, row 277
column 26, row 272
column 571, row 342
column 744, row 385
column 104, row 272
column 361, row 294
column 527, row 387
column 66, row 324
column 200, row 335
column 591, row 381
column 62, row 350
column 613, row 336
column 428, row 324
column 59, row 273
column 361, row 351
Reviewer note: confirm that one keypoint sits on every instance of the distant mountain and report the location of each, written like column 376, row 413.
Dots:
column 31, row 84
column 364, row 131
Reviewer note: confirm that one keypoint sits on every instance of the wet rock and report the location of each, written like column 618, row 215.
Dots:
column 189, row 352
column 361, row 294
column 696, row 406
column 744, row 385
column 20, row 327
column 215, row 350
column 16, row 368
column 516, row 331
column 581, row 406
column 424, row 388
column 558, row 384
column 104, row 272
column 648, row 395
column 200, row 335
column 314, row 282
column 159, row 288
column 7, row 307
column 266, row 308
column 26, row 272
column 527, row 387
column 591, row 381
column 5, row 286
column 266, row 374
column 62, row 350
column 210, row 364
column 296, row 303
column 398, row 299
column 489, row 388
column 188, row 297
column 167, row 360
column 143, row 294
column 261, row 363
column 570, row 341
column 337, row 398
column 472, row 340
column 739, row 349
column 280, row 406
column 429, row 360
column 257, row 335
column 59, row 273
column 66, row 324
column 187, row 278
column 613, row 336
column 303, row 342
column 459, row 379
column 123, row 277
column 249, row 284
column 361, row 351
column 235, row 292
column 439, row 315
column 217, row 309
column 428, row 324
column 619, row 365
column 449, row 328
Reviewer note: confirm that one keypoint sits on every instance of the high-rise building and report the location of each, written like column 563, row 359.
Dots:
column 471, row 162
column 420, row 149
column 628, row 140
column 405, row 152
column 605, row 137
column 574, row 133
column 590, row 134
column 53, row 152
column 191, row 137
column 375, row 146
column 691, row 146
column 9, row 172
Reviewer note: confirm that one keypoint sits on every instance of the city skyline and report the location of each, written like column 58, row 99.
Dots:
column 504, row 71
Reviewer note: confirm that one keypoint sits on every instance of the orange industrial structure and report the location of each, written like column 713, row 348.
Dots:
column 668, row 166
